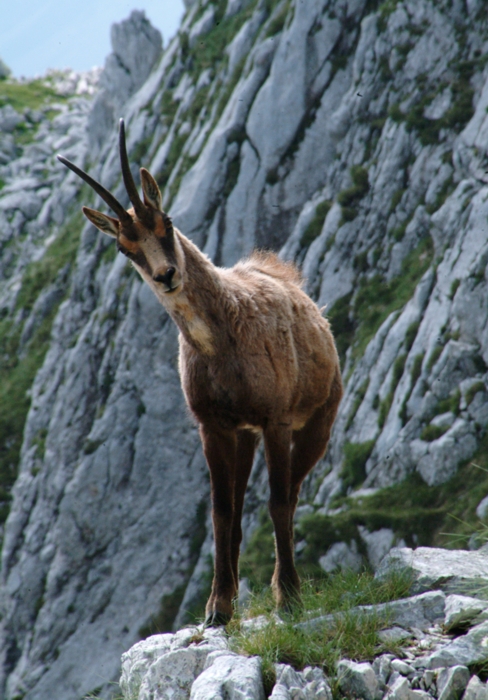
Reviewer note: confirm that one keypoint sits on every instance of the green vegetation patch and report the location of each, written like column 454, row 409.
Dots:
column 39, row 275
column 358, row 400
column 377, row 298
column 314, row 228
column 433, row 432
column 456, row 116
column 163, row 620
column 343, row 325
column 350, row 198
column 385, row 405
column 17, row 373
column 258, row 559
column 473, row 390
column 351, row 635
column 31, row 94
column 277, row 24
column 354, row 465
column 209, row 49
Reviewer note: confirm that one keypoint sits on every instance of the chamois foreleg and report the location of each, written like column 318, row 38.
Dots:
column 246, row 446
column 285, row 581
column 310, row 443
column 220, row 452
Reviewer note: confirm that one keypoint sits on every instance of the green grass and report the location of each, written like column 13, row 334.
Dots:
column 315, row 226
column 397, row 373
column 473, row 390
column 358, row 400
column 343, row 325
column 376, row 298
column 29, row 95
column 163, row 620
column 17, row 373
column 39, row 275
column 455, row 117
column 432, row 432
column 350, row 197
column 276, row 25
column 209, row 49
column 353, row 635
column 356, row 455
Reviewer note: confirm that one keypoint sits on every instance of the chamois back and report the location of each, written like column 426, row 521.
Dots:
column 269, row 263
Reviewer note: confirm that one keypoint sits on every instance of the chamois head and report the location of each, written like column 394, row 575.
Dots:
column 144, row 233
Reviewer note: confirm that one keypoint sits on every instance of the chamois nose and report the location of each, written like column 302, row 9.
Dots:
column 166, row 277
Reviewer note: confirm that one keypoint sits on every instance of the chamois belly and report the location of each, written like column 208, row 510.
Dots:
column 233, row 390
column 247, row 390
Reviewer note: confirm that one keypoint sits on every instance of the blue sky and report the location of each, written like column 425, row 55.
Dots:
column 39, row 34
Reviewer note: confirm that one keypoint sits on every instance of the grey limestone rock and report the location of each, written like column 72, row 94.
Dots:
column 419, row 612
column 165, row 666
column 378, row 543
column 9, row 118
column 341, row 555
column 475, row 690
column 229, row 676
column 357, row 680
column 468, row 649
column 462, row 610
column 452, row 682
column 136, row 47
column 309, row 684
column 453, row 571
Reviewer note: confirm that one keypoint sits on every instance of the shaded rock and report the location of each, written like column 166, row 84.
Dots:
column 476, row 690
column 341, row 556
column 469, row 649
column 309, row 684
column 451, row 682
column 482, row 508
column 401, row 667
column 461, row 610
column 399, row 690
column 228, row 676
column 394, row 635
column 357, row 680
column 9, row 117
column 378, row 543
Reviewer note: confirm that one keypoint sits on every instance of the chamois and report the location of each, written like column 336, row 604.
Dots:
column 256, row 359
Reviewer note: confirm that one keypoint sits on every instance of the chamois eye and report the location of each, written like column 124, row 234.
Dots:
column 125, row 252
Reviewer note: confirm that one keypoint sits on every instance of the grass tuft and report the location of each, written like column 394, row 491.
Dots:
column 352, row 634
column 354, row 466
column 315, row 226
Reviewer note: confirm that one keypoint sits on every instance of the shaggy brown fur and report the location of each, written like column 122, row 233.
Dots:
column 256, row 359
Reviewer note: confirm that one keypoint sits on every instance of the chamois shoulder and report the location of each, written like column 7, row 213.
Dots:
column 270, row 264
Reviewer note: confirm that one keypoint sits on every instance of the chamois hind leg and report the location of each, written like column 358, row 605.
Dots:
column 285, row 581
column 246, row 446
column 220, row 452
column 310, row 443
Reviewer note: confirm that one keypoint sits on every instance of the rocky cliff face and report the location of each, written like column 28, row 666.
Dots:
column 350, row 135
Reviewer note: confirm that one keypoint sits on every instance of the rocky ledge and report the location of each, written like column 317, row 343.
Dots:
column 441, row 634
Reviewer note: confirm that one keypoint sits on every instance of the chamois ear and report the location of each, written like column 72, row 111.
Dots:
column 152, row 195
column 105, row 223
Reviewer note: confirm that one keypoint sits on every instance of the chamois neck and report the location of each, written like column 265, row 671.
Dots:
column 196, row 310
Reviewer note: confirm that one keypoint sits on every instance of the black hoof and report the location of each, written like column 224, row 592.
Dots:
column 217, row 619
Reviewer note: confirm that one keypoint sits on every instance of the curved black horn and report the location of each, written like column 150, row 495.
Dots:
column 107, row 197
column 130, row 185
